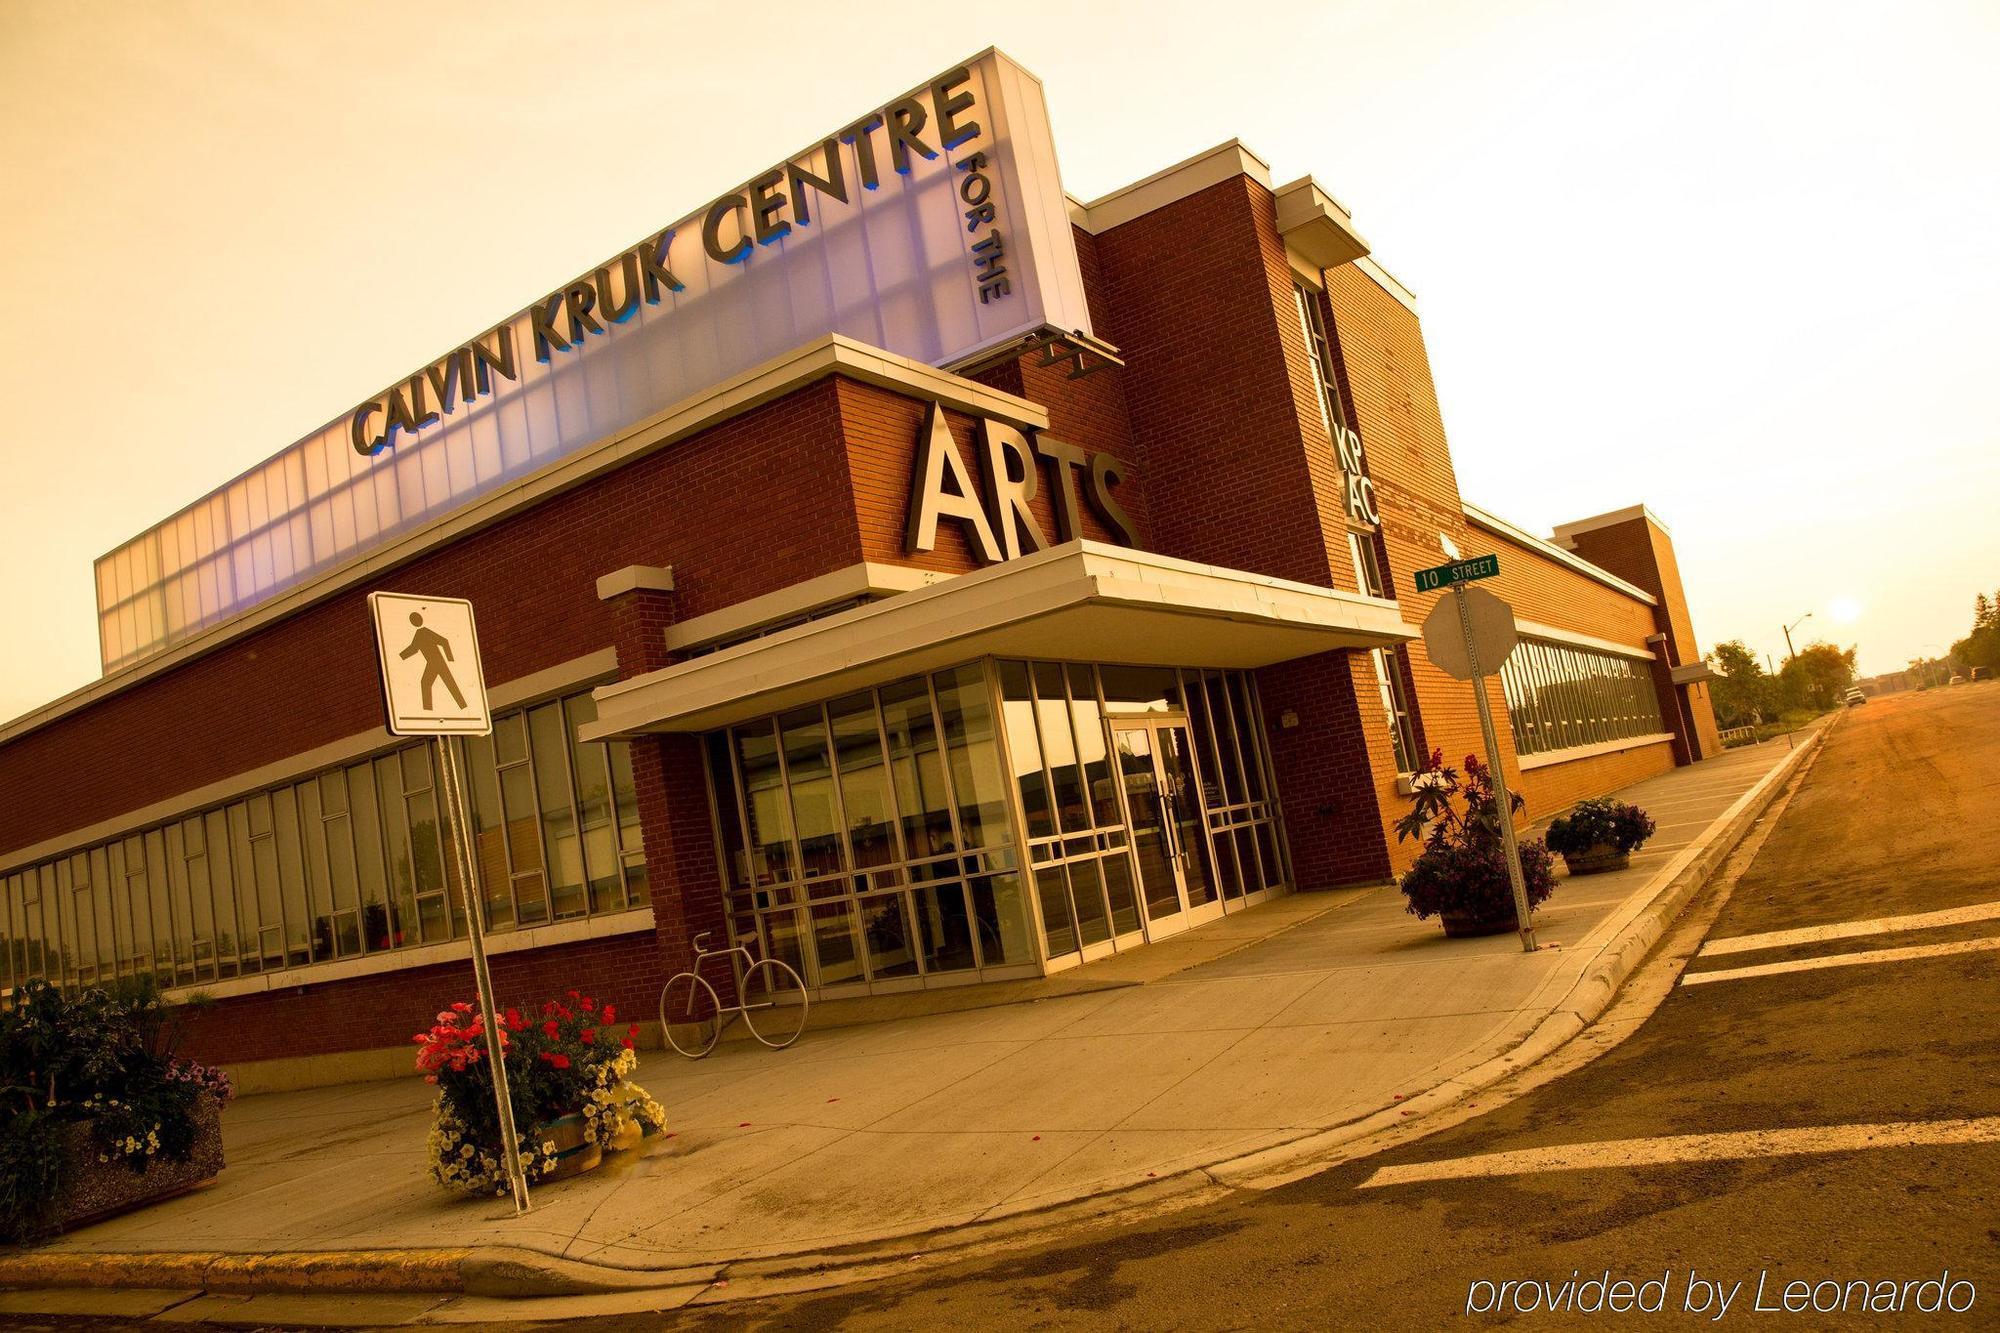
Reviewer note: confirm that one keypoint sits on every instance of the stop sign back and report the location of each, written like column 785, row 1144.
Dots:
column 1493, row 635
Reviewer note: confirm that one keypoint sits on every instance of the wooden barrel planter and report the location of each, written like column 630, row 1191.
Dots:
column 576, row 1151
column 93, row 1190
column 1597, row 860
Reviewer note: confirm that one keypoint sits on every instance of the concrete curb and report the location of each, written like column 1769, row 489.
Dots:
column 312, row 1270
column 1621, row 943
column 1609, row 956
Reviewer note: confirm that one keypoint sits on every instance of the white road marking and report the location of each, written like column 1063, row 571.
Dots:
column 1861, row 959
column 1621, row 1153
column 1847, row 930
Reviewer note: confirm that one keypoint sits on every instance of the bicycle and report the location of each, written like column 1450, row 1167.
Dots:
column 693, row 1016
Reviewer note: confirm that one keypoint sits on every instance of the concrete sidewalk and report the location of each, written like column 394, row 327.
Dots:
column 903, row 1128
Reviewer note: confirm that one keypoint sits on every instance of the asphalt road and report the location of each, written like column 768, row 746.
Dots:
column 1896, row 817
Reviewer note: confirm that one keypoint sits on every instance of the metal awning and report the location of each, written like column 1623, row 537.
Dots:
column 1082, row 601
column 1692, row 672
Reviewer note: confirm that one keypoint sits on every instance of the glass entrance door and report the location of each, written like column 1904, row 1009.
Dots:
column 1156, row 770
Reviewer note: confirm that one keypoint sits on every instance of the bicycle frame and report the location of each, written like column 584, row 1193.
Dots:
column 744, row 964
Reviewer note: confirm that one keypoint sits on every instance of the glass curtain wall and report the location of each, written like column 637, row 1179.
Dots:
column 866, row 839
column 1078, row 834
column 342, row 864
column 1560, row 697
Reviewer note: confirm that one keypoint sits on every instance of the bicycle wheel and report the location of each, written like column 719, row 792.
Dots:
column 774, row 1003
column 690, row 1015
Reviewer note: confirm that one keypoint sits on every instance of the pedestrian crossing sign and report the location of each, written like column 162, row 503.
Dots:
column 431, row 678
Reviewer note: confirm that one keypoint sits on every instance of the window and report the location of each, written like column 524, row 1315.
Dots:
column 1389, row 668
column 1319, row 357
column 1560, row 697
column 343, row 863
column 866, row 839
column 1368, row 576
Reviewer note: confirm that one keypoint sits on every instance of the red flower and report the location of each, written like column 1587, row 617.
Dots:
column 554, row 1059
column 627, row 1043
column 610, row 1014
column 514, row 1021
column 551, row 1028
column 589, row 1036
column 588, row 1003
column 462, row 1007
column 632, row 1031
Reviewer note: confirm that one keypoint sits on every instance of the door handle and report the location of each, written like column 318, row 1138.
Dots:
column 1168, row 829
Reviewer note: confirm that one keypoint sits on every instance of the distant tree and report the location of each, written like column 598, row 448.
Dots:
column 1981, row 648
column 1817, row 676
column 1745, row 691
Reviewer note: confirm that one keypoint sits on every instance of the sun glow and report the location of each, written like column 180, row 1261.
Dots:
column 1845, row 610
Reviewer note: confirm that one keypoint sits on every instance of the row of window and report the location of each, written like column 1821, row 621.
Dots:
column 342, row 864
column 867, row 839
column 1559, row 696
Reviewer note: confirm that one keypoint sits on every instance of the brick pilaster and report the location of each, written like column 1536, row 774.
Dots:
column 672, row 792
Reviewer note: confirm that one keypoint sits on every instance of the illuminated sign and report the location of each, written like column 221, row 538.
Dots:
column 934, row 227
column 1002, row 525
column 934, row 132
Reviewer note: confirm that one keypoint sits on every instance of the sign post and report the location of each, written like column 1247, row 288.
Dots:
column 1469, row 636
column 433, row 686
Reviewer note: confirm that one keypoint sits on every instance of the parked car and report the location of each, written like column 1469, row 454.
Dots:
column 1982, row 673
column 1956, row 680
column 1855, row 698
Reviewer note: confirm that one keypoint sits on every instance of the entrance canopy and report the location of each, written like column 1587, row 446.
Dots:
column 1082, row 601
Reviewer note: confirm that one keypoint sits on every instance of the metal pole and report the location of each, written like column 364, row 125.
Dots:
column 1789, row 654
column 461, row 844
column 1500, row 794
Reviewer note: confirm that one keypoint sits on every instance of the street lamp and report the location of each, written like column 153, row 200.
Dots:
column 1789, row 654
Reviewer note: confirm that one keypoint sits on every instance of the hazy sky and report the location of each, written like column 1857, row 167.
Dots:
column 1734, row 260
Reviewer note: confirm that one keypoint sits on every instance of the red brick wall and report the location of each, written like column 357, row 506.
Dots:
column 1190, row 298
column 1640, row 552
column 1386, row 374
column 387, row 1009
column 1556, row 787
column 881, row 430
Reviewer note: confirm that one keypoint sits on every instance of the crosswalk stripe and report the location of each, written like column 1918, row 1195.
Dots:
column 1847, row 930
column 1619, row 1153
column 1861, row 959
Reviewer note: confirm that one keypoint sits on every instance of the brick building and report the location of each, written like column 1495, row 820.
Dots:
column 929, row 576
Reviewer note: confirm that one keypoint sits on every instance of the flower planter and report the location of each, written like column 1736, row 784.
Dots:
column 1462, row 925
column 576, row 1152
column 93, row 1189
column 1597, row 860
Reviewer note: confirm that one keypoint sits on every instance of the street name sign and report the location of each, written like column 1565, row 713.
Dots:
column 1492, row 638
column 1458, row 571
column 431, row 678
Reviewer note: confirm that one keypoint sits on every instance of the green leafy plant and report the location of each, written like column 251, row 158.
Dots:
column 1600, row 822
column 1463, row 868
column 102, row 1057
